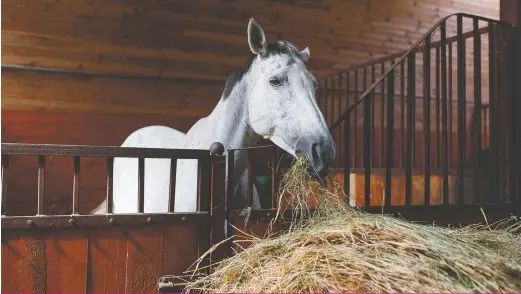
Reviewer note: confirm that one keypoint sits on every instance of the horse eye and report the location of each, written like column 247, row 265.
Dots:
column 275, row 82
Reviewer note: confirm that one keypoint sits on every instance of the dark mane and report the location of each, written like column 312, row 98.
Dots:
column 279, row 47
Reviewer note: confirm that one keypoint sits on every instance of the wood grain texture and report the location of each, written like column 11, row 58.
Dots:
column 124, row 259
column 200, row 40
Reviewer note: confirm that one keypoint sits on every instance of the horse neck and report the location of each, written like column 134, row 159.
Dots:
column 229, row 124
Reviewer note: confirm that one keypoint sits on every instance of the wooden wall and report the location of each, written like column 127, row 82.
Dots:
column 199, row 40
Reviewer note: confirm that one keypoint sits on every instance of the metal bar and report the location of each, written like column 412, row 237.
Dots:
column 76, row 186
column 110, row 183
column 444, row 121
column 390, row 137
column 173, row 178
column 99, row 151
column 141, row 185
column 347, row 168
column 367, row 152
column 332, row 105
column 364, row 86
column 41, row 184
column 437, row 88
column 250, row 178
column 411, row 89
column 326, row 95
column 230, row 180
column 493, row 115
column 373, row 117
column 402, row 114
column 101, row 220
column 451, row 128
column 427, row 121
column 348, row 140
column 355, row 124
column 382, row 118
column 339, row 130
column 5, row 177
column 477, row 109
column 273, row 177
column 461, row 109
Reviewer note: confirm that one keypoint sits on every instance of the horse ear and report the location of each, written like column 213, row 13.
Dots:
column 304, row 54
column 256, row 38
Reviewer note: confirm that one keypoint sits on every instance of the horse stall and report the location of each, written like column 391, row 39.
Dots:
column 79, row 78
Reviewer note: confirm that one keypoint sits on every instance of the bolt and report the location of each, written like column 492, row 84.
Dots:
column 30, row 223
column 72, row 222
column 268, row 214
column 111, row 221
column 183, row 218
column 149, row 220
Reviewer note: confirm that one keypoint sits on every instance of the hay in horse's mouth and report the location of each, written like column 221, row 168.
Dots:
column 337, row 248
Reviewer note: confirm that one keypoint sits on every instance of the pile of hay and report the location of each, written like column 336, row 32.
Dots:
column 336, row 248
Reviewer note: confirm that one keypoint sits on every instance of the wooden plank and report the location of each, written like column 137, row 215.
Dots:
column 107, row 261
column 144, row 259
column 23, row 263
column 180, row 249
column 66, row 254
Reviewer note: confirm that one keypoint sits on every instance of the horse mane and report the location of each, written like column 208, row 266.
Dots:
column 277, row 48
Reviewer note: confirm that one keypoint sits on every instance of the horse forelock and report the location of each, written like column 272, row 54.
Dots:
column 276, row 48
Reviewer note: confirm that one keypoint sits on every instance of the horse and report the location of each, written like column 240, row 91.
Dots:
column 272, row 97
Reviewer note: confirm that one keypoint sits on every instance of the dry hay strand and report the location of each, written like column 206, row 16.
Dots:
column 337, row 248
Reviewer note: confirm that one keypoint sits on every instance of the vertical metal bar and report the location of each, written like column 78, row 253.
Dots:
column 402, row 114
column 5, row 176
column 274, row 185
column 230, row 180
column 332, row 105
column 461, row 108
column 41, row 184
column 493, row 115
column 348, row 140
column 373, row 117
column 427, row 120
column 438, row 86
column 250, row 178
column 364, row 87
column 326, row 107
column 367, row 151
column 411, row 97
column 382, row 117
column 355, row 123
column 477, row 108
column 339, row 128
column 347, row 169
column 141, row 185
column 451, row 98
column 444, row 113
column 390, row 137
column 76, row 186
column 173, row 177
column 110, row 183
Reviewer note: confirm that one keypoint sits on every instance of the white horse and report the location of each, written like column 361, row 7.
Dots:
column 273, row 97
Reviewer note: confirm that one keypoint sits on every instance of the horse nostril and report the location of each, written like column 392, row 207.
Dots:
column 315, row 150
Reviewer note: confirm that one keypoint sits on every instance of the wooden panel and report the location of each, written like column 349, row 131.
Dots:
column 128, row 259
column 206, row 40
column 144, row 259
column 66, row 257
column 59, row 92
column 108, row 260
column 23, row 264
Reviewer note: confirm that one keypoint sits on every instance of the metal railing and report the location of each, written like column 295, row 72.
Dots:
column 416, row 121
